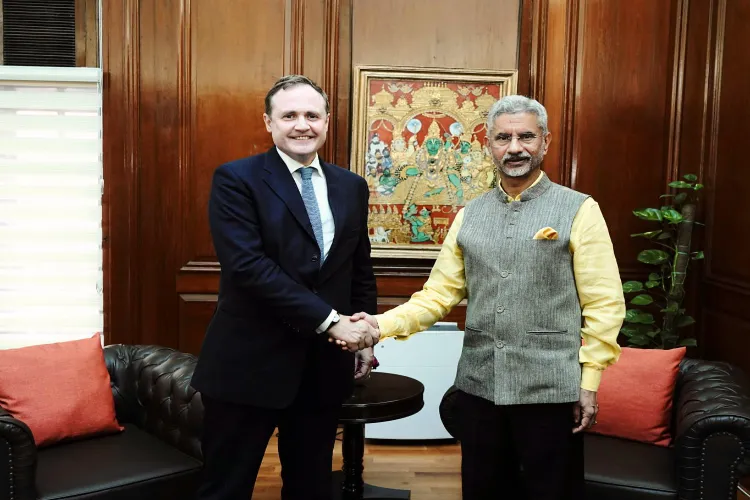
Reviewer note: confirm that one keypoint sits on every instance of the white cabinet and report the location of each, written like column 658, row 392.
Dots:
column 430, row 357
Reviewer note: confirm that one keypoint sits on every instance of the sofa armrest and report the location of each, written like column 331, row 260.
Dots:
column 17, row 459
column 712, row 429
column 151, row 387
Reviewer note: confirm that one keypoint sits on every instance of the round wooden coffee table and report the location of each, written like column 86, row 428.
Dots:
column 384, row 397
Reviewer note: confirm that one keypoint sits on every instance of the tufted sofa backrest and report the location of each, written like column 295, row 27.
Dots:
column 151, row 389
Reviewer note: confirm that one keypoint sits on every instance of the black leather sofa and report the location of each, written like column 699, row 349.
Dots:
column 157, row 456
column 710, row 452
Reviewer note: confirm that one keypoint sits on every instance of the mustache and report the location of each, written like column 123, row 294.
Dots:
column 516, row 157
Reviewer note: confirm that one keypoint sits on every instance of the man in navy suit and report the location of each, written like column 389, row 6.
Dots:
column 290, row 233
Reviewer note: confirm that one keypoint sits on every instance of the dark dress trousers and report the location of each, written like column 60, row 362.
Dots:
column 262, row 364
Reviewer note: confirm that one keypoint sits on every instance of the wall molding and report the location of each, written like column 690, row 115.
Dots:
column 186, row 119
column 574, row 44
column 533, row 48
column 121, row 166
column 714, row 96
column 677, row 92
column 332, row 12
column 294, row 37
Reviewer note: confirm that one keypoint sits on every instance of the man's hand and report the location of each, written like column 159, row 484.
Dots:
column 585, row 410
column 363, row 363
column 353, row 335
column 367, row 317
column 358, row 317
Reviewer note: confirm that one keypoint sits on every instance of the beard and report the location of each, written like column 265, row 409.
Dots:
column 529, row 165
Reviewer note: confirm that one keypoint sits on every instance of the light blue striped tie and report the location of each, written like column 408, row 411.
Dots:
column 311, row 204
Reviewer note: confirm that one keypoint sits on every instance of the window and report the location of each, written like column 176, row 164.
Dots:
column 50, row 204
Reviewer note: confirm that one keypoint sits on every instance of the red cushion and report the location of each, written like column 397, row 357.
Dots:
column 635, row 395
column 59, row 390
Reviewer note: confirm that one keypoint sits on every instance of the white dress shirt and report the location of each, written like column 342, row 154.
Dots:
column 326, row 216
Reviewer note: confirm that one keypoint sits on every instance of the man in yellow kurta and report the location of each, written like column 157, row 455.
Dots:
column 544, row 307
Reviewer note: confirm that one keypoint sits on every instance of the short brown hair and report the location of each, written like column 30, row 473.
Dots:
column 288, row 81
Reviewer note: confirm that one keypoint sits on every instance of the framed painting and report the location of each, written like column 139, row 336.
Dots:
column 418, row 138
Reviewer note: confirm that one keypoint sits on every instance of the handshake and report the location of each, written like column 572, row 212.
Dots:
column 355, row 332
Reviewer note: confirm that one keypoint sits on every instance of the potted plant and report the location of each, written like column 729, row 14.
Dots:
column 663, row 293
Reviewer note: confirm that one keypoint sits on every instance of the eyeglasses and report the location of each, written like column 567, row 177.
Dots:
column 505, row 139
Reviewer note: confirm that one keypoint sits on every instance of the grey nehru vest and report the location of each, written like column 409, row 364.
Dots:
column 523, row 321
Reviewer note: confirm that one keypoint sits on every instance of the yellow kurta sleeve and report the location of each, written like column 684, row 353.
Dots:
column 599, row 291
column 445, row 288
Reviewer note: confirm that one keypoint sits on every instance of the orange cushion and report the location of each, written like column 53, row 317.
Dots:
column 59, row 390
column 635, row 395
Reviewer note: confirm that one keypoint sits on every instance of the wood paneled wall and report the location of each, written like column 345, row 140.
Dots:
column 185, row 81
column 184, row 93
column 718, row 70
column 87, row 33
column 604, row 70
column 481, row 34
column 638, row 93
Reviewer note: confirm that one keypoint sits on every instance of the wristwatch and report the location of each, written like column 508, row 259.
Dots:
column 336, row 318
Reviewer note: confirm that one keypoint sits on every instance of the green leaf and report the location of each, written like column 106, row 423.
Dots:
column 670, row 308
column 652, row 284
column 689, row 342
column 654, row 277
column 638, row 316
column 632, row 286
column 639, row 340
column 680, row 198
column 690, row 177
column 684, row 321
column 631, row 315
column 680, row 185
column 698, row 255
column 628, row 330
column 672, row 215
column 642, row 300
column 648, row 234
column 653, row 333
column 698, row 187
column 648, row 214
column 664, row 235
column 655, row 257
column 666, row 196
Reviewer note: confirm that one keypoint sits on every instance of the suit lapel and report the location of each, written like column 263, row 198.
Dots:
column 280, row 180
column 337, row 197
column 336, row 202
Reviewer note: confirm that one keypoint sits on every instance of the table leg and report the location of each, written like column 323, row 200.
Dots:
column 353, row 451
column 348, row 483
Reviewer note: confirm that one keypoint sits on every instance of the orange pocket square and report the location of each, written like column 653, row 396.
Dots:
column 546, row 233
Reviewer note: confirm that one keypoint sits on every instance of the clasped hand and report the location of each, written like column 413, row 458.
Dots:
column 353, row 333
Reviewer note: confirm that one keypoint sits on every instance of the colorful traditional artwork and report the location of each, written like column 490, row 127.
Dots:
column 419, row 141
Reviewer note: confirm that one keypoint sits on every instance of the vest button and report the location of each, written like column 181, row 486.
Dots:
column 500, row 344
column 314, row 258
column 501, row 309
column 504, row 274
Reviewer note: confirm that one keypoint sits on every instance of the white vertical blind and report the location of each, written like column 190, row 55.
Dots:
column 50, row 204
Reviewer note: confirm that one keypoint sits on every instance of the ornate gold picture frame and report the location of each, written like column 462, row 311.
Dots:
column 418, row 138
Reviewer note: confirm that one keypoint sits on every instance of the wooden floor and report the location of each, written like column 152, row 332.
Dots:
column 431, row 472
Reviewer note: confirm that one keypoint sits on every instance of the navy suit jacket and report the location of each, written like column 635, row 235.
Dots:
column 261, row 347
